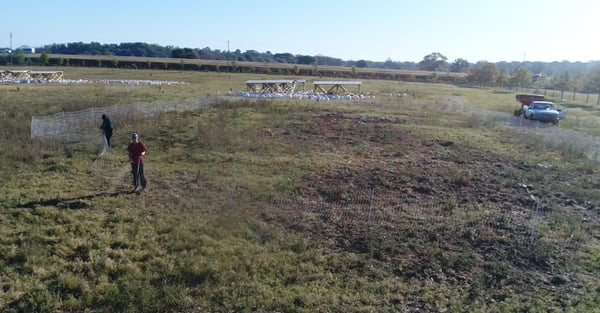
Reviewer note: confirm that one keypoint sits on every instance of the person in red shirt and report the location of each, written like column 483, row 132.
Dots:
column 137, row 150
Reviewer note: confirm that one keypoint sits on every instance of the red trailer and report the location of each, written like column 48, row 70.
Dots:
column 526, row 99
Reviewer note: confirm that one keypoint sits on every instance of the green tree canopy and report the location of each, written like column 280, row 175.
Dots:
column 434, row 62
column 44, row 59
column 361, row 63
column 593, row 83
column 460, row 66
column 562, row 82
column 520, row 77
column 483, row 74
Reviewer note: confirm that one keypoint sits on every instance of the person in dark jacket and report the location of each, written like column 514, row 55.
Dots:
column 107, row 129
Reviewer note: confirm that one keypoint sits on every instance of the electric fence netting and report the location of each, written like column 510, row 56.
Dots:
column 82, row 127
column 560, row 138
column 79, row 127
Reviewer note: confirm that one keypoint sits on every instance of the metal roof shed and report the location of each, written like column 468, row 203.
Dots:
column 337, row 86
column 275, row 85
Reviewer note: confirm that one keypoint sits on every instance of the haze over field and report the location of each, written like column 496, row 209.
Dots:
column 537, row 30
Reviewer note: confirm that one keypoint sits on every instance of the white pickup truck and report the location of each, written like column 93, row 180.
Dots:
column 543, row 111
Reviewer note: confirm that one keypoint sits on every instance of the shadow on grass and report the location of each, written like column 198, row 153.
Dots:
column 71, row 203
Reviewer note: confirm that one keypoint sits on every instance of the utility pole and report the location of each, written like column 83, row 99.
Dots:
column 10, row 49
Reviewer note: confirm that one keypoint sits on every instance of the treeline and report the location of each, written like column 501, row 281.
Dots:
column 128, row 62
column 432, row 62
column 138, row 49
column 564, row 75
column 288, row 58
column 486, row 74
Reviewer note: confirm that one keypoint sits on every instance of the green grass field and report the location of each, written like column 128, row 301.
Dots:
column 422, row 203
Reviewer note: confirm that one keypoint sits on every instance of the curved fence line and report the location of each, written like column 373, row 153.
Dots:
column 560, row 138
column 81, row 126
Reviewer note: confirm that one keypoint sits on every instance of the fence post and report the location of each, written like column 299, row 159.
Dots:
column 371, row 205
column 534, row 226
column 232, row 194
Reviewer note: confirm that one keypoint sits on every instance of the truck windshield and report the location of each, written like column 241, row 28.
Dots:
column 542, row 106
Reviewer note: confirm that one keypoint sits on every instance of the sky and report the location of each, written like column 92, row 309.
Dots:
column 373, row 30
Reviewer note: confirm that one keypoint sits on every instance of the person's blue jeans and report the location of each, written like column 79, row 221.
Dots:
column 137, row 170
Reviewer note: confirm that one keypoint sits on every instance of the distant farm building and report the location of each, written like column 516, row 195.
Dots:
column 27, row 49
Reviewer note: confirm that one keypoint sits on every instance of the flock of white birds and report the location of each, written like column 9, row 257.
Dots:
column 300, row 95
column 87, row 81
column 304, row 95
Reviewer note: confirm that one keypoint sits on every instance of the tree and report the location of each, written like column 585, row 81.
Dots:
column 536, row 67
column 483, row 74
column 253, row 56
column 284, row 58
column 520, row 77
column 434, row 77
column 501, row 77
column 44, row 59
column 389, row 64
column 325, row 60
column 434, row 62
column 18, row 57
column 459, row 66
column 361, row 63
column 540, row 80
column 593, row 83
column 578, row 83
column 562, row 82
column 305, row 59
column 185, row 53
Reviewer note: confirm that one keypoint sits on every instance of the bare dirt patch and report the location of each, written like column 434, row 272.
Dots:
column 434, row 208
